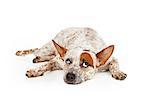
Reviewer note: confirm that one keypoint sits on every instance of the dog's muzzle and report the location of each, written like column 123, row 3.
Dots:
column 72, row 77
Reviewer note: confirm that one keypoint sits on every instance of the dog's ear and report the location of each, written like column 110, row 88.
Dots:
column 105, row 54
column 61, row 50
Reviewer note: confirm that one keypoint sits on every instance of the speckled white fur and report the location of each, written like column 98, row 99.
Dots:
column 76, row 40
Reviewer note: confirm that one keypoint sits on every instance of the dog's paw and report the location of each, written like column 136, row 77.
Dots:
column 32, row 73
column 119, row 75
column 36, row 60
column 19, row 53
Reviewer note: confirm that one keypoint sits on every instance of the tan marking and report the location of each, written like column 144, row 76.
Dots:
column 87, row 57
column 25, row 52
column 119, row 75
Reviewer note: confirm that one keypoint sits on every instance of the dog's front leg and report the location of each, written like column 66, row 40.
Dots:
column 41, row 70
column 114, row 70
column 46, row 58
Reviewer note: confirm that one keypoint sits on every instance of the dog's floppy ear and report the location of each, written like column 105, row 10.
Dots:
column 105, row 54
column 61, row 50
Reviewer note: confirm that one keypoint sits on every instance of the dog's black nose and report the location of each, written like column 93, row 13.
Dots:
column 70, row 77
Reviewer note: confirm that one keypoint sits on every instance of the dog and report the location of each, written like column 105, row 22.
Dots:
column 79, row 52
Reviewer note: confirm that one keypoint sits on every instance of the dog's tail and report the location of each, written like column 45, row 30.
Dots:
column 25, row 52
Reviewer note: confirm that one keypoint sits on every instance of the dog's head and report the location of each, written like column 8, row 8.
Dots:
column 80, row 65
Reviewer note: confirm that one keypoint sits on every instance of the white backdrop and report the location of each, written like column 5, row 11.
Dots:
column 26, row 24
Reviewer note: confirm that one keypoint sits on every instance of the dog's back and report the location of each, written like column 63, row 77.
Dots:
column 85, row 38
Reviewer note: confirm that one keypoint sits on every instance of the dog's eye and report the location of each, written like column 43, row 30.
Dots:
column 85, row 64
column 68, row 61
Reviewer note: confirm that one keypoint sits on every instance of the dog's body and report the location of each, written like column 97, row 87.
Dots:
column 76, row 47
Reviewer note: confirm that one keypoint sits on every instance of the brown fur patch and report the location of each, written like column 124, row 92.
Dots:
column 87, row 57
column 61, row 50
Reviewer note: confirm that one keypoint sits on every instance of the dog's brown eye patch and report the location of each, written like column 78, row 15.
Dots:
column 86, row 60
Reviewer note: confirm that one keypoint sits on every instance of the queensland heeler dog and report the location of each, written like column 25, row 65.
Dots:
column 79, row 52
